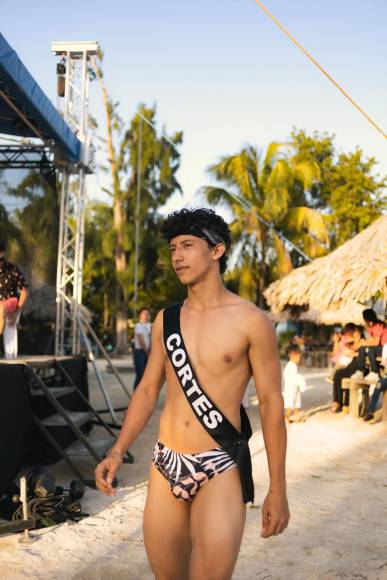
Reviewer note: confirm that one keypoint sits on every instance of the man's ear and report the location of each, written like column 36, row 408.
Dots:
column 218, row 251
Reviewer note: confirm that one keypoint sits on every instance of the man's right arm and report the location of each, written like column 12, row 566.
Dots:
column 140, row 409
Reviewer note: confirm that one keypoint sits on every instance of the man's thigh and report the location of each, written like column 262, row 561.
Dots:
column 166, row 530
column 217, row 520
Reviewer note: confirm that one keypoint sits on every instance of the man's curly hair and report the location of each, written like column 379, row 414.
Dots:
column 201, row 222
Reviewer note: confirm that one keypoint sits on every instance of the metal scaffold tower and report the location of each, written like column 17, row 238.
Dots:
column 73, row 72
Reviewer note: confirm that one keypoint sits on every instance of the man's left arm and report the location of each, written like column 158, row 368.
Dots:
column 12, row 318
column 23, row 289
column 265, row 363
column 22, row 298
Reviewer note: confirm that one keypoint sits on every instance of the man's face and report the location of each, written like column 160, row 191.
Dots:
column 192, row 257
column 144, row 316
column 295, row 357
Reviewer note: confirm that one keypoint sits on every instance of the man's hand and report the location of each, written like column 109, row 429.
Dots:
column 275, row 513
column 105, row 473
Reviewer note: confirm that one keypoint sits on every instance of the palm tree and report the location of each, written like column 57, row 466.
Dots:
column 38, row 223
column 8, row 229
column 268, row 199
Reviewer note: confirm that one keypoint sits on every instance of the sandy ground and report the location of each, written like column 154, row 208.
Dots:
column 337, row 487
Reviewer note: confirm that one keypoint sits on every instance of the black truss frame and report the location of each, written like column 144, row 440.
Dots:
column 26, row 157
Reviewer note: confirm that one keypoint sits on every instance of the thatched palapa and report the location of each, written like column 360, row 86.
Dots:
column 349, row 313
column 335, row 284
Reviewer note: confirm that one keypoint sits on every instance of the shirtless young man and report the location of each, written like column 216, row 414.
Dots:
column 193, row 526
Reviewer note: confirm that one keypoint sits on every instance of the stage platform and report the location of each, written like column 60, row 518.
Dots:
column 36, row 360
column 20, row 442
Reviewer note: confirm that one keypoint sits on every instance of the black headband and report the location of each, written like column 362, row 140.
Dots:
column 206, row 234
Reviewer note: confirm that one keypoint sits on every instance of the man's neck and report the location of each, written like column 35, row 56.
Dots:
column 205, row 294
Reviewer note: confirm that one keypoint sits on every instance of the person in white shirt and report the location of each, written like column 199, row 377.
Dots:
column 294, row 384
column 142, row 342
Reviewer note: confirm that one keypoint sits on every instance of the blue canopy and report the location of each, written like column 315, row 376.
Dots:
column 20, row 93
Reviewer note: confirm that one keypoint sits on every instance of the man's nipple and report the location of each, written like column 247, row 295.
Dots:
column 227, row 358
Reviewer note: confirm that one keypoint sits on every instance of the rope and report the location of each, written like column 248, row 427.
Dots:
column 310, row 57
column 163, row 135
column 246, row 205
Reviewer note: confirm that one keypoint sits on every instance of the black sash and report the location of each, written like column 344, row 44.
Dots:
column 211, row 418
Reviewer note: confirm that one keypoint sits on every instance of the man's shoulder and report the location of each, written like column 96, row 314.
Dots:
column 252, row 314
column 157, row 324
column 255, row 323
column 13, row 268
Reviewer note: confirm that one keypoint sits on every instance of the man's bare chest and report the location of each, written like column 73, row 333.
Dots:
column 214, row 342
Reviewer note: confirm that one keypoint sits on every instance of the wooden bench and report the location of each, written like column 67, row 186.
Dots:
column 384, row 406
column 354, row 385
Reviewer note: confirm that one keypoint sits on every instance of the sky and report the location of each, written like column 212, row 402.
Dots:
column 221, row 71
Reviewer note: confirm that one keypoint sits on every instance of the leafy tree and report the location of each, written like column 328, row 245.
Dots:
column 349, row 191
column 275, row 187
column 319, row 149
column 157, row 169
column 156, row 284
column 37, row 225
column 99, row 276
column 8, row 229
column 356, row 198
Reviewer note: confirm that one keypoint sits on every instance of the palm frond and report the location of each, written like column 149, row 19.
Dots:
column 277, row 190
column 274, row 152
column 308, row 172
column 217, row 195
column 283, row 263
column 247, row 282
column 234, row 170
column 305, row 219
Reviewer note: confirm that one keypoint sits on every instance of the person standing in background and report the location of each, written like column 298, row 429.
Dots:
column 294, row 384
column 142, row 341
column 13, row 296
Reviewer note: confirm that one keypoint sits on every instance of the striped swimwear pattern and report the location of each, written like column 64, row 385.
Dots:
column 186, row 473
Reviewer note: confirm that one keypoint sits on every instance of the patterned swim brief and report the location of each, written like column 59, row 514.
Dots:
column 186, row 473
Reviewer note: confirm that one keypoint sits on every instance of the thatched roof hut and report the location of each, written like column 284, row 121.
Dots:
column 349, row 313
column 336, row 284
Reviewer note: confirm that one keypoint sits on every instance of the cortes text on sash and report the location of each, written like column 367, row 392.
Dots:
column 198, row 400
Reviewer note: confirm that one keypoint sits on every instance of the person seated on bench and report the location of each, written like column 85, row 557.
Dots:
column 341, row 398
column 342, row 341
column 380, row 388
column 373, row 345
